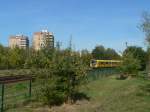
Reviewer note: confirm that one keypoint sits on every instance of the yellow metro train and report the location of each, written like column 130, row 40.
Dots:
column 105, row 63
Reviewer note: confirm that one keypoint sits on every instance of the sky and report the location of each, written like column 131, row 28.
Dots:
column 89, row 22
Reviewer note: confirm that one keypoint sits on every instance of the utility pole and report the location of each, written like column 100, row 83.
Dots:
column 126, row 44
column 70, row 42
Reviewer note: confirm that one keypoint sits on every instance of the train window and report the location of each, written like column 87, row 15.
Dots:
column 109, row 63
column 102, row 62
column 93, row 62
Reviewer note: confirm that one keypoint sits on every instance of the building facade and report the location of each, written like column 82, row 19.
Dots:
column 43, row 39
column 20, row 41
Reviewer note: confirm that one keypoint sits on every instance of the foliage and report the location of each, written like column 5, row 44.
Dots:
column 16, row 57
column 61, row 81
column 49, row 93
column 3, row 57
column 99, row 52
column 38, row 59
column 107, row 95
column 86, row 56
column 12, row 58
column 130, row 65
column 111, row 54
column 145, row 26
column 29, row 58
column 138, row 53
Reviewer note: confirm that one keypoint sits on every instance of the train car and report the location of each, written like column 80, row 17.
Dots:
column 104, row 63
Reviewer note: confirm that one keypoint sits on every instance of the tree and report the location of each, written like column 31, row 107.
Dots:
column 86, row 56
column 98, row 52
column 4, row 62
column 130, row 65
column 138, row 53
column 112, row 54
column 61, row 81
column 145, row 26
column 17, row 57
column 38, row 59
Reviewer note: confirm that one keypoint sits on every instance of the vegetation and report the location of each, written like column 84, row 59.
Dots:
column 63, row 78
column 145, row 27
column 99, row 52
column 134, row 59
column 137, row 53
column 130, row 65
column 27, row 59
column 86, row 56
column 61, row 74
column 106, row 95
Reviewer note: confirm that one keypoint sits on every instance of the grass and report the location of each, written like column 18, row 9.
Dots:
column 111, row 95
column 106, row 95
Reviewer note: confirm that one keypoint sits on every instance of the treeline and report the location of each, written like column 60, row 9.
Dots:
column 20, row 58
column 134, row 59
column 58, row 73
column 100, row 52
column 62, row 71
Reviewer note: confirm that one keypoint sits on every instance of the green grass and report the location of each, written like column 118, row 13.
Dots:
column 108, row 95
column 111, row 95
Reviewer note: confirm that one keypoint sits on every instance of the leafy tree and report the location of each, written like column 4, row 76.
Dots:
column 17, row 57
column 98, row 52
column 138, row 53
column 145, row 26
column 111, row 54
column 4, row 63
column 66, row 72
column 86, row 56
column 148, row 59
column 130, row 65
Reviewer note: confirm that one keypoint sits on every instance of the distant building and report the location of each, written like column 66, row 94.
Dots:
column 20, row 41
column 43, row 39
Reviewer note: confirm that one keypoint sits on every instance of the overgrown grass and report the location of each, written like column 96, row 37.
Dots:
column 111, row 95
column 107, row 95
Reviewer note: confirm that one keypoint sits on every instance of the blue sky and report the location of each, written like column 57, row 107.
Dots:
column 90, row 22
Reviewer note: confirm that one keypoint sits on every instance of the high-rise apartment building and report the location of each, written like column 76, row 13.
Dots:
column 43, row 39
column 20, row 41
